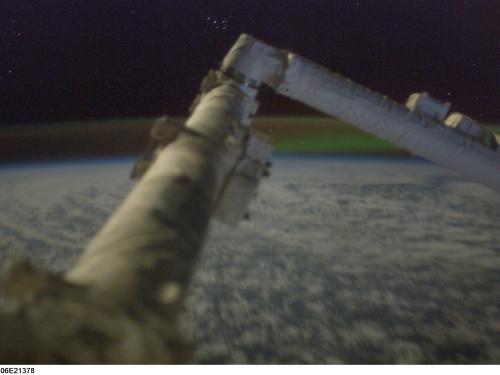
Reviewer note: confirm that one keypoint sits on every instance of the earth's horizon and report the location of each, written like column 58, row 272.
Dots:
column 344, row 260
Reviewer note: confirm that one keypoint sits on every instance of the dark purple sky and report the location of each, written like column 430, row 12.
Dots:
column 63, row 59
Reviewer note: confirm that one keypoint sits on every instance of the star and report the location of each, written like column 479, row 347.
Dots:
column 218, row 23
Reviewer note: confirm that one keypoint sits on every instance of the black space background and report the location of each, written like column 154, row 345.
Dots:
column 67, row 60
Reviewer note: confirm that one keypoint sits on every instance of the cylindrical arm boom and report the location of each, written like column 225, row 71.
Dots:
column 149, row 246
column 120, row 303
column 311, row 84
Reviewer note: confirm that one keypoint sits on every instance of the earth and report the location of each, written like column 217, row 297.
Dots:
column 344, row 260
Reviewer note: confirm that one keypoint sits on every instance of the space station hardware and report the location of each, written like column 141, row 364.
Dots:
column 417, row 127
column 425, row 105
column 465, row 125
column 243, row 161
column 120, row 303
column 471, row 128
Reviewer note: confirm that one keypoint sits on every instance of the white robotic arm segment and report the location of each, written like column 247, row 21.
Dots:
column 418, row 128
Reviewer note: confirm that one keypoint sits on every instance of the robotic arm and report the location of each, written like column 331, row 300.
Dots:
column 120, row 303
column 457, row 142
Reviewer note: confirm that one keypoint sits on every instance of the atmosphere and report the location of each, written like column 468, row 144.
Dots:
column 69, row 60
column 249, row 182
